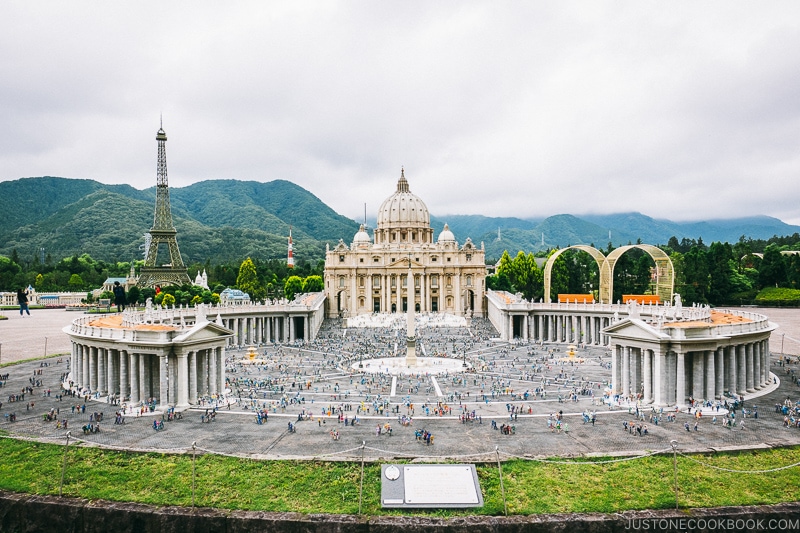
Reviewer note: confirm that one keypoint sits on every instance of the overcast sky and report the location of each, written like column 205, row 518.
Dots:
column 679, row 110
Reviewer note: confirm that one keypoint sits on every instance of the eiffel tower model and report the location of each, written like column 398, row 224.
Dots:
column 162, row 232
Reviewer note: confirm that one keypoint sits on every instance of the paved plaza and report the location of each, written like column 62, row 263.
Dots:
column 319, row 389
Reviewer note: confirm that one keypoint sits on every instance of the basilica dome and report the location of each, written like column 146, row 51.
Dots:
column 446, row 235
column 362, row 237
column 403, row 207
column 403, row 217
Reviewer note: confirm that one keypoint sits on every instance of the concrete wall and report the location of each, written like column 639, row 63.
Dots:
column 47, row 514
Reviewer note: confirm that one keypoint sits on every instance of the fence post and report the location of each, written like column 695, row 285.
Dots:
column 502, row 488
column 674, row 445
column 194, row 455
column 64, row 465
column 361, row 484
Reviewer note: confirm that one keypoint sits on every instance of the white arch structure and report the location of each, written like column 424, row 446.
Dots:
column 665, row 273
column 596, row 254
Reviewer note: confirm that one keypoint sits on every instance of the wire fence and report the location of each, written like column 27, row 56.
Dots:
column 496, row 457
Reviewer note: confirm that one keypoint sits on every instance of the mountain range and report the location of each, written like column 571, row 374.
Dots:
column 228, row 220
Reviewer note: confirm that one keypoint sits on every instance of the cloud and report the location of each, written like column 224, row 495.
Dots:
column 683, row 111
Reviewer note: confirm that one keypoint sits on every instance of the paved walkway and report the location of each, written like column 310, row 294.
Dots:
column 303, row 382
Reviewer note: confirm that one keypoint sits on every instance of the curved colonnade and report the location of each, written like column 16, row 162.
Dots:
column 660, row 354
column 175, row 357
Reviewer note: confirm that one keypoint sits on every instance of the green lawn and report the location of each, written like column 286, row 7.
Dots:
column 333, row 487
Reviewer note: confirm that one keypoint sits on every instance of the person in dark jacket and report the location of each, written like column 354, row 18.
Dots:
column 22, row 298
column 119, row 296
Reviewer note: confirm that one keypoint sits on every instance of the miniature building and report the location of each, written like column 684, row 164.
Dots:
column 367, row 276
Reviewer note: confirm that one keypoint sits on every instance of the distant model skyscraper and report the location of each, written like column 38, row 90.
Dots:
column 163, row 232
column 290, row 258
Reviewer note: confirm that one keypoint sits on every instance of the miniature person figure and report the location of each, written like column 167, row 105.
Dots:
column 119, row 296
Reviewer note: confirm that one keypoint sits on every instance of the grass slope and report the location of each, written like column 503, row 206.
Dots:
column 332, row 487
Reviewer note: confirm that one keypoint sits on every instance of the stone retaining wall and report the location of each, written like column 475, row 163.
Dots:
column 24, row 513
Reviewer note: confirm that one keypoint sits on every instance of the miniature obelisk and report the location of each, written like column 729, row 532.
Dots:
column 411, row 339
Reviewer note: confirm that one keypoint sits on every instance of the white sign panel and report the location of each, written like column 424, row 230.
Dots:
column 430, row 486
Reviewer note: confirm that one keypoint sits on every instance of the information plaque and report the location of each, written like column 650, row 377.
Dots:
column 430, row 486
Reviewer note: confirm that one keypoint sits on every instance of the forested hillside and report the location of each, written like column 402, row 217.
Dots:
column 70, row 234
column 217, row 221
column 224, row 220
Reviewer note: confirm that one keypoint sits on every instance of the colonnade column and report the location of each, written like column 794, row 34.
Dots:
column 648, row 376
column 757, row 381
column 183, row 380
column 353, row 311
column 749, row 364
column 86, row 376
column 698, row 375
column 76, row 365
column 73, row 360
column 626, row 371
column 135, row 378
column 144, row 377
column 220, row 359
column 212, row 372
column 123, row 375
column 587, row 330
column 102, row 372
column 202, row 373
column 711, row 379
column 110, row 382
column 192, row 377
column 386, row 304
column 680, row 379
column 719, row 365
column 741, row 372
column 459, row 296
column 423, row 307
column 172, row 379
column 616, row 369
column 659, row 375
column 163, row 391
column 399, row 297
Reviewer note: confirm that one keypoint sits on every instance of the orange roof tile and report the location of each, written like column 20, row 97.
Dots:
column 115, row 321
column 717, row 318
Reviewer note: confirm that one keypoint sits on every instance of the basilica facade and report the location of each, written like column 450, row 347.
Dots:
column 403, row 264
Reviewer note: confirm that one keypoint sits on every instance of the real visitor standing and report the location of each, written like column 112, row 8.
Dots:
column 22, row 298
column 119, row 296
